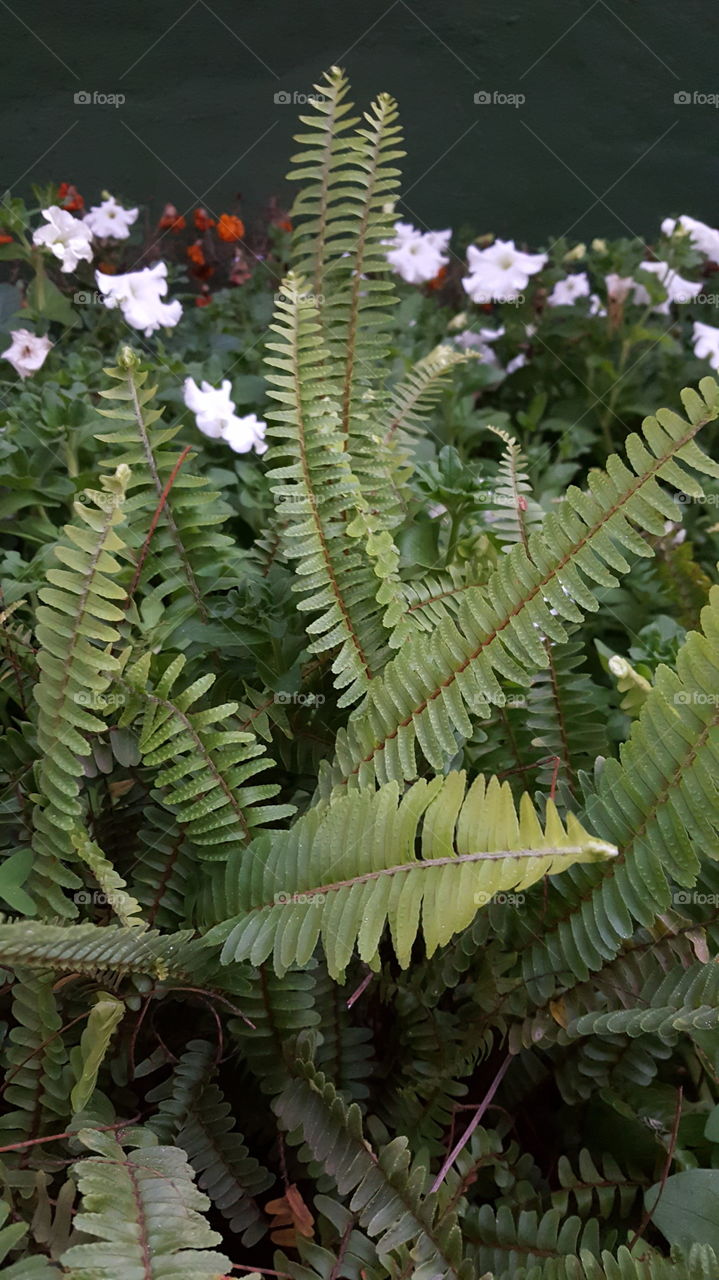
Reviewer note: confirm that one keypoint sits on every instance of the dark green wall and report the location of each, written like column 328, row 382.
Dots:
column 599, row 143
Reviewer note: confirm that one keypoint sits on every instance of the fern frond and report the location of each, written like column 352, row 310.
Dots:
column 186, row 558
column 322, row 169
column 145, row 1211
column 34, row 1060
column 425, row 693
column 659, row 805
column 567, row 715
column 347, row 868
column 601, row 1188
column 76, row 628
column 161, row 875
column 504, row 1241
column 205, row 773
column 194, row 1116
column 389, row 1195
column 92, row 949
column 312, row 475
column 277, row 1009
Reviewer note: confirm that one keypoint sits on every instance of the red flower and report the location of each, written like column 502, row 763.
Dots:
column 203, row 300
column 195, row 254
column 171, row 220
column 5, row 239
column 437, row 281
column 230, row 228
column 284, row 224
column 203, row 221
column 70, row 198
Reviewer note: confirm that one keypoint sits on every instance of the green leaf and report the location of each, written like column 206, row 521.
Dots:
column 688, row 1208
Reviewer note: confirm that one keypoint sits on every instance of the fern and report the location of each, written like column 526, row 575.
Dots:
column 314, row 474
column 647, row 805
column 75, row 626
column 194, row 1115
column 180, row 558
column 144, row 1209
column 388, row 1195
column 346, row 892
column 205, row 783
column 424, row 694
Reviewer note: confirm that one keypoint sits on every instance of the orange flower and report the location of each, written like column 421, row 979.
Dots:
column 171, row 220
column 195, row 254
column 203, row 300
column 284, row 224
column 70, row 198
column 5, row 239
column 203, row 221
column 230, row 228
column 437, row 281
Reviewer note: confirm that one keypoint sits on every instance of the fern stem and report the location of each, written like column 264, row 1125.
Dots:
column 461, row 1144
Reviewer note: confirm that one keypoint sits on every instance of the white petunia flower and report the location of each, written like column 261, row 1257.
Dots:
column 706, row 343
column 620, row 287
column 216, row 417
column 478, row 340
column 566, row 292
column 677, row 288
column 27, row 352
column 500, row 272
column 415, row 255
column 703, row 237
column 138, row 294
column 517, row 363
column 67, row 237
column 109, row 220
column 247, row 433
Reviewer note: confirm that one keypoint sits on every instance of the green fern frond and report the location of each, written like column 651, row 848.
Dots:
column 389, row 1195
column 277, row 1009
column 312, row 474
column 348, row 868
column 92, row 949
column 322, row 169
column 186, row 558
column 161, row 875
column 206, row 774
column 659, row 805
column 596, row 1188
column 566, row 713
column 76, row 629
column 34, row 1057
column 145, row 1211
column 425, row 693
column 501, row 1242
column 194, row 1116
